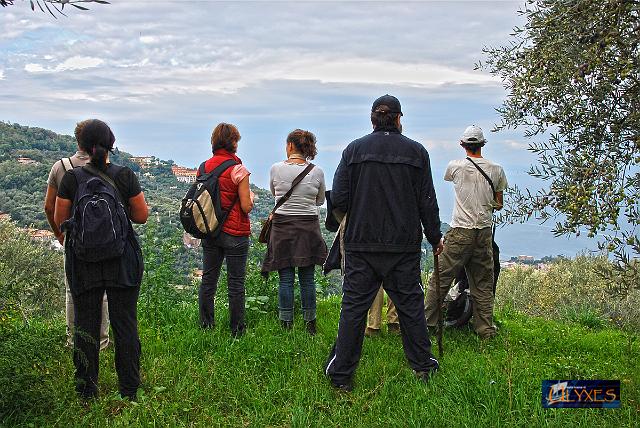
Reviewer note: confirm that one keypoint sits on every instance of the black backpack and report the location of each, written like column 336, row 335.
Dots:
column 98, row 227
column 458, row 302
column 201, row 213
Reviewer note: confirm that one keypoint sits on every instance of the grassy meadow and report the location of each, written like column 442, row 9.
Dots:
column 560, row 323
column 270, row 377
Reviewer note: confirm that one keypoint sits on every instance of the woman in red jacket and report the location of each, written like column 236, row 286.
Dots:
column 233, row 242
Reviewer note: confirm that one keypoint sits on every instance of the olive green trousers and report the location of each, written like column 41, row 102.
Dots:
column 470, row 248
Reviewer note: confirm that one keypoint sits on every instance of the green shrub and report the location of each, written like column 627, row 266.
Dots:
column 31, row 275
column 569, row 289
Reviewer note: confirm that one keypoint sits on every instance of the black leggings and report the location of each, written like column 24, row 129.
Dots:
column 123, row 316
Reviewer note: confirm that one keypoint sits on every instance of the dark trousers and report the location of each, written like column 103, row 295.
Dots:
column 235, row 250
column 400, row 275
column 124, row 323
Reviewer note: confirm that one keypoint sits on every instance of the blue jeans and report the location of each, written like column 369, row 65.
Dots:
column 307, row 293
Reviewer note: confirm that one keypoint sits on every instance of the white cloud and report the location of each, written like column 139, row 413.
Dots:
column 148, row 39
column 34, row 68
column 1, row 74
column 79, row 63
column 515, row 144
column 438, row 145
column 379, row 72
column 73, row 63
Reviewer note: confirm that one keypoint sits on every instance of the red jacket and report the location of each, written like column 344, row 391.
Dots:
column 237, row 223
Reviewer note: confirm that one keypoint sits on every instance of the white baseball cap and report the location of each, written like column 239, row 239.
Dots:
column 473, row 134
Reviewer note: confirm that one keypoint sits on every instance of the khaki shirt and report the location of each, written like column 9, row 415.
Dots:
column 58, row 171
column 474, row 199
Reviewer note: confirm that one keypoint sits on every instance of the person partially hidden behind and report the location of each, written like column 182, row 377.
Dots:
column 374, row 320
column 53, row 183
column 90, row 276
column 384, row 185
column 469, row 241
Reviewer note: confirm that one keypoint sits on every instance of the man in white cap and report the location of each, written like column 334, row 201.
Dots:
column 478, row 185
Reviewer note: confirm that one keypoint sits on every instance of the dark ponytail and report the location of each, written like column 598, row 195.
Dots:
column 99, row 158
column 98, row 140
column 304, row 142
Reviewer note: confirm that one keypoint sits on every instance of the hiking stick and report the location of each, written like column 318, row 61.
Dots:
column 436, row 272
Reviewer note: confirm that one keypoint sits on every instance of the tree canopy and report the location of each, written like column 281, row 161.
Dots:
column 54, row 6
column 572, row 76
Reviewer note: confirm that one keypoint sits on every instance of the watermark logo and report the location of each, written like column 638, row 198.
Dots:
column 581, row 393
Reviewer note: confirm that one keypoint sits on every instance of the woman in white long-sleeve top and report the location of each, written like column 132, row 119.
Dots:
column 295, row 240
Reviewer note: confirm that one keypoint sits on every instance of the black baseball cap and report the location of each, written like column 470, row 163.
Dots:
column 387, row 100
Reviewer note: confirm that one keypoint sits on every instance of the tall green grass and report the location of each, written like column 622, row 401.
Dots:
column 558, row 324
column 271, row 377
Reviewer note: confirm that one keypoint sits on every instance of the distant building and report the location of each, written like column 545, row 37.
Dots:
column 508, row 265
column 40, row 235
column 525, row 259
column 144, row 161
column 183, row 174
column 26, row 161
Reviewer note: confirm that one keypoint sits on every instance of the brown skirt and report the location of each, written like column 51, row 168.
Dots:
column 295, row 241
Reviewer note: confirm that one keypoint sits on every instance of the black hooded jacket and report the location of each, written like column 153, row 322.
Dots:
column 384, row 184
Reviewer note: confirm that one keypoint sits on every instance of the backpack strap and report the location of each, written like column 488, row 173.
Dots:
column 484, row 174
column 95, row 171
column 64, row 164
column 201, row 170
column 217, row 171
column 294, row 183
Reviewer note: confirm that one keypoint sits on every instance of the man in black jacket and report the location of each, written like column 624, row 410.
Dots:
column 384, row 185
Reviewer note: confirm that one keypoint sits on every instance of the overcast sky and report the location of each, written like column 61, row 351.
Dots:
column 164, row 73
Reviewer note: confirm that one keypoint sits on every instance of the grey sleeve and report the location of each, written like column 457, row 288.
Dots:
column 502, row 184
column 53, row 175
column 271, row 174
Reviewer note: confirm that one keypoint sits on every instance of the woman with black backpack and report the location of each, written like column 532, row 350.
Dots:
column 95, row 207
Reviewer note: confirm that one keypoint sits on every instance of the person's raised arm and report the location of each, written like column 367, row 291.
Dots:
column 139, row 209
column 244, row 193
